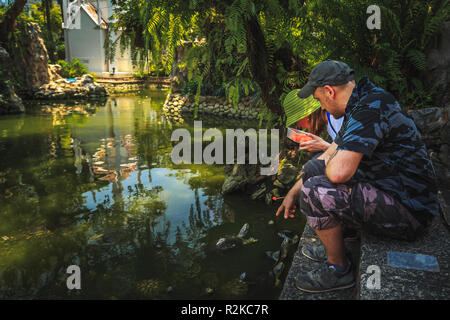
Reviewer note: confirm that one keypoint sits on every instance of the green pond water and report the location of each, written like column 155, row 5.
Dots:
column 94, row 186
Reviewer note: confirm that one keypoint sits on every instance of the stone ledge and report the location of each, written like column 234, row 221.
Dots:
column 82, row 88
column 396, row 283
column 402, row 283
column 301, row 264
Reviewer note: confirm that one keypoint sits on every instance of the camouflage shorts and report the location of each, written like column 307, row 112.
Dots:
column 356, row 205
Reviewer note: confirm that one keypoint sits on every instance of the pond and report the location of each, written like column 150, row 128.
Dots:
column 92, row 184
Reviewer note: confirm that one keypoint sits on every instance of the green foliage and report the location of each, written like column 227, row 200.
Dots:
column 53, row 38
column 72, row 69
column 140, row 74
column 152, row 29
column 60, row 51
column 94, row 76
column 394, row 57
column 218, row 61
column 296, row 35
column 16, row 48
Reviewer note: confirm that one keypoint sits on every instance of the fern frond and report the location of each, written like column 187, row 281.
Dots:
column 418, row 59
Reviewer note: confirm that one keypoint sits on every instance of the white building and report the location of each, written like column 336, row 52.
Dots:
column 85, row 30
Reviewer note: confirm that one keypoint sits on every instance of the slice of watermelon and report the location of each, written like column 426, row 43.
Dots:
column 297, row 135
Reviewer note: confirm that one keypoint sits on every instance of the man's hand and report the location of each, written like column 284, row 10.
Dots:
column 314, row 145
column 288, row 205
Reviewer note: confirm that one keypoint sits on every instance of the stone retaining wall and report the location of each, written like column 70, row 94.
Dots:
column 435, row 128
column 129, row 87
column 176, row 104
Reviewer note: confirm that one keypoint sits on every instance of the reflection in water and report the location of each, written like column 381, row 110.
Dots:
column 94, row 185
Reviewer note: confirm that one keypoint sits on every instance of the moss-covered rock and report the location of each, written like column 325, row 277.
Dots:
column 10, row 102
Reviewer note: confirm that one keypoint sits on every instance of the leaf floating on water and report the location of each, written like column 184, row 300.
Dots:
column 6, row 238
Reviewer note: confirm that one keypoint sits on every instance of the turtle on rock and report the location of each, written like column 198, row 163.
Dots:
column 236, row 241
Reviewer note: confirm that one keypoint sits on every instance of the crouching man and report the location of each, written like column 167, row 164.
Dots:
column 376, row 176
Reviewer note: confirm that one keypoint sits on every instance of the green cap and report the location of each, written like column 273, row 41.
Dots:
column 297, row 109
column 328, row 72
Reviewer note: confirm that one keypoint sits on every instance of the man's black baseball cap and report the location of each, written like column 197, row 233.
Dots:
column 328, row 72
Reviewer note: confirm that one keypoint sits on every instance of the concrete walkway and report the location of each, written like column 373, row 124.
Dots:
column 387, row 269
column 301, row 264
column 421, row 273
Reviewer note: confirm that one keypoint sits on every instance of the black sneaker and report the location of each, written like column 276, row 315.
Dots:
column 316, row 252
column 326, row 278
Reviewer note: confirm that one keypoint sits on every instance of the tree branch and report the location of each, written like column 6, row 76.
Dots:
column 8, row 23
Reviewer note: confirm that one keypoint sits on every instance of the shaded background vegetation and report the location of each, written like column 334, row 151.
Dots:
column 265, row 48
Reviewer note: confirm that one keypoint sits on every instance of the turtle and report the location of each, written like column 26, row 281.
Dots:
column 274, row 255
column 244, row 230
column 279, row 257
column 277, row 270
column 290, row 235
column 229, row 243
column 236, row 241
column 281, row 254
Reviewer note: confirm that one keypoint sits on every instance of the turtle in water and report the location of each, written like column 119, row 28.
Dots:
column 279, row 257
column 244, row 230
column 290, row 235
column 274, row 255
column 237, row 241
column 277, row 270
column 281, row 254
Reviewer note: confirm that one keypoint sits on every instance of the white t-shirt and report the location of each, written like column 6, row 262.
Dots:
column 335, row 124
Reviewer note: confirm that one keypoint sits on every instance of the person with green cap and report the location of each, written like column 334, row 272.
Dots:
column 307, row 114
column 376, row 176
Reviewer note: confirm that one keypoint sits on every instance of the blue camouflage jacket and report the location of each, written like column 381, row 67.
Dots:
column 395, row 157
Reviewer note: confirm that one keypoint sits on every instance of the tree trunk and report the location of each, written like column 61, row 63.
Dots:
column 264, row 71
column 258, row 57
column 8, row 23
column 47, row 4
